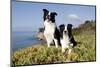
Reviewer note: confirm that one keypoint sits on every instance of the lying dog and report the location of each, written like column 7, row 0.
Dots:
column 51, row 32
column 66, row 37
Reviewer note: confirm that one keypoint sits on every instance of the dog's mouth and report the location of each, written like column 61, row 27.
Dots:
column 48, row 20
column 48, row 17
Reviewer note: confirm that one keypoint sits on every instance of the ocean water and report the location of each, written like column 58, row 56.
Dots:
column 23, row 40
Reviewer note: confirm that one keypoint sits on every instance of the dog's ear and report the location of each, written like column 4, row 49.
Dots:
column 45, row 14
column 54, row 13
column 45, row 10
column 61, row 27
column 69, row 26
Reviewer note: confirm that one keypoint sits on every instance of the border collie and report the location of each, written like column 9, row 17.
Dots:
column 51, row 32
column 66, row 37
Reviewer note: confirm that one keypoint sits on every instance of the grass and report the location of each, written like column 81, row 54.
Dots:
column 40, row 54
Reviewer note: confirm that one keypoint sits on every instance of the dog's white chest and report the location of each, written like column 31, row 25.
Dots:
column 65, row 38
column 49, row 27
column 65, row 41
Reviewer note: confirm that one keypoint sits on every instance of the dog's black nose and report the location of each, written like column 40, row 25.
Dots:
column 65, row 31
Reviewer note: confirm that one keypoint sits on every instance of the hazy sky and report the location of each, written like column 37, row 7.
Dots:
column 27, row 16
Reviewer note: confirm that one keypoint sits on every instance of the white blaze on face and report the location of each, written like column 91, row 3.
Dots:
column 65, row 33
column 49, row 13
column 48, row 16
column 65, row 29
column 65, row 39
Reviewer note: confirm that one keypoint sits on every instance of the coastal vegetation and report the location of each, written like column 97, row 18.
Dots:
column 85, row 50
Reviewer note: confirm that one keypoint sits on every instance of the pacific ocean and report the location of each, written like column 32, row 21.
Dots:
column 23, row 39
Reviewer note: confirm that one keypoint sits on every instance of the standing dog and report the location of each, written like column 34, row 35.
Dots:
column 66, row 37
column 51, row 32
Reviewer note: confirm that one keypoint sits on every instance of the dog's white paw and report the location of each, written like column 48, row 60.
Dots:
column 67, row 46
column 63, row 50
column 48, row 46
column 69, row 51
column 56, row 46
column 71, row 44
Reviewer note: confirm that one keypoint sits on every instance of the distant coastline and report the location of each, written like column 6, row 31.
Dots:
column 23, row 39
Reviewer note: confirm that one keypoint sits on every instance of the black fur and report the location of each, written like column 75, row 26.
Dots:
column 45, row 14
column 50, row 17
column 69, row 30
column 61, row 27
column 57, row 36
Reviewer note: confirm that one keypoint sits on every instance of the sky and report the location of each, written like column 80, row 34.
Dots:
column 28, row 16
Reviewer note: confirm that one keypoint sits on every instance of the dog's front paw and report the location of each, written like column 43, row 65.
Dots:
column 69, row 51
column 63, row 50
column 48, row 46
column 71, row 44
column 67, row 46
column 56, row 46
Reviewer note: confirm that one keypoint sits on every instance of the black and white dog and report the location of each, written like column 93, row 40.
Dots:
column 66, row 37
column 51, row 32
